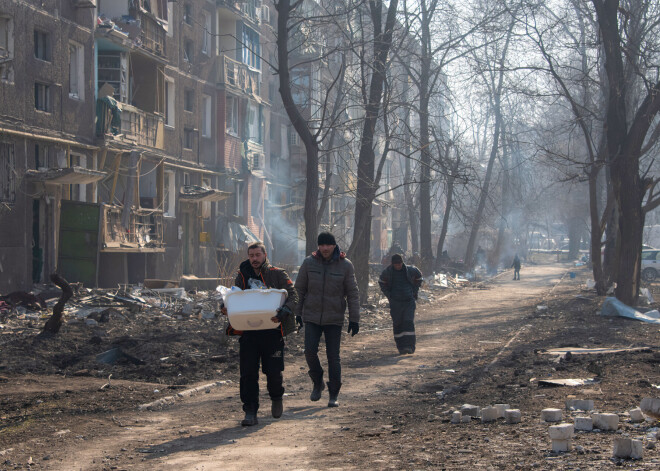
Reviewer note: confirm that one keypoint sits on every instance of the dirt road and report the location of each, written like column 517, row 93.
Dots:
column 475, row 346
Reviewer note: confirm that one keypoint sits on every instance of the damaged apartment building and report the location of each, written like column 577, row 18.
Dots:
column 132, row 138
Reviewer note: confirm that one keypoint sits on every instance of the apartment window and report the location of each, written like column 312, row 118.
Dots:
column 238, row 194
column 42, row 97
column 251, row 48
column 76, row 71
column 232, row 115
column 169, row 102
column 169, row 201
column 186, row 179
column 188, row 100
column 162, row 12
column 6, row 49
column 188, row 51
column 254, row 122
column 294, row 138
column 187, row 14
column 7, row 173
column 206, row 116
column 188, row 138
column 41, row 45
column 206, row 34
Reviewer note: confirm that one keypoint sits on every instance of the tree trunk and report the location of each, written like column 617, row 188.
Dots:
column 299, row 123
column 445, row 220
column 366, row 187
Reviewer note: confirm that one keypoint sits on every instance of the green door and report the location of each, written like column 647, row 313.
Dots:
column 79, row 242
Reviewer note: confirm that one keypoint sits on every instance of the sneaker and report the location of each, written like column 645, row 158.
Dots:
column 333, row 402
column 406, row 351
column 276, row 408
column 316, row 392
column 250, row 419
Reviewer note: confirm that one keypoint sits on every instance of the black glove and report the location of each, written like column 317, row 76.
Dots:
column 299, row 321
column 283, row 312
column 353, row 328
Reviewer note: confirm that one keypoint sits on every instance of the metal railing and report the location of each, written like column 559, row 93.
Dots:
column 239, row 76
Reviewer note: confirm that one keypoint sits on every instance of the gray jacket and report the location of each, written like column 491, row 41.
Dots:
column 325, row 288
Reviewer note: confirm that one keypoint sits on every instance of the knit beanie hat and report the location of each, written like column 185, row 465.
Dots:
column 326, row 238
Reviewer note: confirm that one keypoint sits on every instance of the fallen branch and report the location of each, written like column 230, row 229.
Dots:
column 54, row 323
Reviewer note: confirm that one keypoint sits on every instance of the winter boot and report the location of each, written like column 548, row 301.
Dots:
column 316, row 392
column 276, row 408
column 334, row 393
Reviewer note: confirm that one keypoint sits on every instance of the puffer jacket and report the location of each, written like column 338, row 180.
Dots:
column 412, row 273
column 272, row 277
column 325, row 288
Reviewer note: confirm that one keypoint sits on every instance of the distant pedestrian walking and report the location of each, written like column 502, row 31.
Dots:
column 516, row 267
column 400, row 284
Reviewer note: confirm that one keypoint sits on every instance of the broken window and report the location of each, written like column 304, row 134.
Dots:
column 42, row 97
column 251, row 47
column 206, row 116
column 188, row 100
column 206, row 34
column 188, row 51
column 188, row 138
column 41, row 45
column 232, row 115
column 6, row 49
column 169, row 200
column 76, row 71
column 7, row 173
column 187, row 14
column 169, row 101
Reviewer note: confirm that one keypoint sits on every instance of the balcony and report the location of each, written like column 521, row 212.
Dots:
column 135, row 126
column 144, row 233
column 238, row 77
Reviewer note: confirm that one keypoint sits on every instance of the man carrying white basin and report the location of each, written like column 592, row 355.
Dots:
column 266, row 345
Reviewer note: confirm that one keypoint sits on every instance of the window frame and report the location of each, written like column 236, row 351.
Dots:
column 170, row 102
column 79, row 72
column 46, row 48
column 207, row 116
column 189, row 100
column 45, row 99
column 7, row 172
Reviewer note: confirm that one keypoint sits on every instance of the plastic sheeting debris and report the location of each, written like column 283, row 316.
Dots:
column 567, row 382
column 614, row 308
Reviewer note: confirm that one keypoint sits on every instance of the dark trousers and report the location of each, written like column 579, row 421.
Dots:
column 332, row 344
column 267, row 347
column 516, row 273
column 403, row 323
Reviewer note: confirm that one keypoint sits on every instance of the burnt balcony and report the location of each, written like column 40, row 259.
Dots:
column 238, row 77
column 143, row 234
column 126, row 123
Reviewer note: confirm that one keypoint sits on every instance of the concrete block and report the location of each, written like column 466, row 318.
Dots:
column 637, row 450
column 561, row 431
column 606, row 422
column 584, row 423
column 551, row 415
column 651, row 406
column 466, row 419
column 471, row 410
column 512, row 416
column 501, row 409
column 580, row 404
column 488, row 414
column 561, row 445
column 628, row 448
column 456, row 417
column 636, row 415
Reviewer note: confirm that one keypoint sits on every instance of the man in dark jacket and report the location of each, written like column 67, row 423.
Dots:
column 326, row 284
column 516, row 267
column 400, row 284
column 265, row 345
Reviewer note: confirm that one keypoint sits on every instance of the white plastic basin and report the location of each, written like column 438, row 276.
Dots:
column 252, row 309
